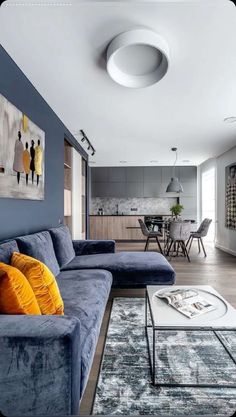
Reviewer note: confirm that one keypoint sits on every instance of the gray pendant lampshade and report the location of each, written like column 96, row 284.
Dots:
column 174, row 185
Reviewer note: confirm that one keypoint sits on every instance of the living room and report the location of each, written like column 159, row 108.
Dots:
column 118, row 208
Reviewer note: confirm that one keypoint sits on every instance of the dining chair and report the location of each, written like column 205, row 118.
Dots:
column 199, row 234
column 179, row 233
column 150, row 235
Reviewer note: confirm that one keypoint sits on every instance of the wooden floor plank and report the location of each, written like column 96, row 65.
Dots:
column 218, row 269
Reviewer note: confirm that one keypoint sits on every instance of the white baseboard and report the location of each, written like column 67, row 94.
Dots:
column 231, row 252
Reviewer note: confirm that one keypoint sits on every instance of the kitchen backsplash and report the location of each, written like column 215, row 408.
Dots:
column 143, row 205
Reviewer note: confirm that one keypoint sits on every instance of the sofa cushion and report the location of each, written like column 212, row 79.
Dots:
column 129, row 269
column 62, row 243
column 6, row 250
column 85, row 294
column 16, row 294
column 40, row 246
column 42, row 282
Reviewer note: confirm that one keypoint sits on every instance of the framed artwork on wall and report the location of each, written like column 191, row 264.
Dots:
column 22, row 149
column 230, row 196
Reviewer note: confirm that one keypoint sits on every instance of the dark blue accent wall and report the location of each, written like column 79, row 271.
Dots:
column 25, row 216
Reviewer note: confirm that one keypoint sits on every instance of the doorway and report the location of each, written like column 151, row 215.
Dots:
column 208, row 186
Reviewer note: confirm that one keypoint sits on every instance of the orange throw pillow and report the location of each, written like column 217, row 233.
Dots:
column 42, row 281
column 16, row 294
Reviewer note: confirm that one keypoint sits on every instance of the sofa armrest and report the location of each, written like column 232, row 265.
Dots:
column 92, row 247
column 40, row 362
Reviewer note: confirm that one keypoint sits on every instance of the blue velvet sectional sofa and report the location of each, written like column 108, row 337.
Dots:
column 45, row 360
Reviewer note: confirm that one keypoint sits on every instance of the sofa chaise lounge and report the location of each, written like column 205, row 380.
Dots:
column 45, row 360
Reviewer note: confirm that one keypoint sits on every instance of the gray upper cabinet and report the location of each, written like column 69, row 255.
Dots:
column 117, row 174
column 134, row 174
column 134, row 189
column 100, row 189
column 152, row 189
column 99, row 174
column 152, row 174
column 167, row 174
column 187, row 174
column 137, row 182
column 117, row 189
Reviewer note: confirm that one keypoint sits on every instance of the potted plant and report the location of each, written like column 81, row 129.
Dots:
column 176, row 210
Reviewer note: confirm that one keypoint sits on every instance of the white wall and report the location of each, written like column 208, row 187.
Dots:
column 225, row 238
column 210, row 163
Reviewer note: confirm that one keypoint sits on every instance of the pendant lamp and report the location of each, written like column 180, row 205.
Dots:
column 174, row 185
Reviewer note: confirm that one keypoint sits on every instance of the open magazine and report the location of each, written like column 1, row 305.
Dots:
column 187, row 302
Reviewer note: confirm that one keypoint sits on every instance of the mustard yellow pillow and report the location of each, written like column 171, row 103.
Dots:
column 42, row 281
column 16, row 294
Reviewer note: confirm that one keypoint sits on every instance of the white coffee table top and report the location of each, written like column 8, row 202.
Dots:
column 166, row 316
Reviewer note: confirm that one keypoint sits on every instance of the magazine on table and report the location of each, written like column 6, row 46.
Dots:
column 187, row 302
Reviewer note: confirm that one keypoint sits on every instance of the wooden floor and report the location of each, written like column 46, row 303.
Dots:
column 217, row 270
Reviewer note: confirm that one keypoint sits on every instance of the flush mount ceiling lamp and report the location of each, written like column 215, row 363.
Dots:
column 231, row 119
column 138, row 58
column 174, row 185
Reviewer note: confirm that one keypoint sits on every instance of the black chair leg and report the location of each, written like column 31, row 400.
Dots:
column 177, row 252
column 166, row 245
column 188, row 241
column 191, row 237
column 147, row 244
column 168, row 250
column 203, row 247
column 199, row 247
column 159, row 245
column 185, row 250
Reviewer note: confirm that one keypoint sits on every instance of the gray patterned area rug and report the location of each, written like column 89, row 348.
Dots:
column 124, row 386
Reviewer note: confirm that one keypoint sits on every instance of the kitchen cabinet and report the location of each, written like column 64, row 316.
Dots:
column 152, row 189
column 138, row 182
column 116, row 227
column 152, row 174
column 117, row 174
column 98, row 227
column 134, row 174
column 134, row 189
column 187, row 174
column 167, row 174
column 99, row 174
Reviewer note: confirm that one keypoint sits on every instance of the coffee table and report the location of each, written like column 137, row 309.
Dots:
column 165, row 317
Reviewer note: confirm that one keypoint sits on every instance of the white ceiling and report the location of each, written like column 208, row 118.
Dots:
column 61, row 49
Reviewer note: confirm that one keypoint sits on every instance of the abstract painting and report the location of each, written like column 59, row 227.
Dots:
column 22, row 149
column 230, row 196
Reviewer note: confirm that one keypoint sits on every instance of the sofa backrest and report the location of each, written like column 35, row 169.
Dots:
column 6, row 250
column 40, row 246
column 62, row 243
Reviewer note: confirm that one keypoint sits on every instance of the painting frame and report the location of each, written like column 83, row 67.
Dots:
column 22, row 154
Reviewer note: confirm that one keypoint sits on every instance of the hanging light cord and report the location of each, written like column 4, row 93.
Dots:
column 176, row 157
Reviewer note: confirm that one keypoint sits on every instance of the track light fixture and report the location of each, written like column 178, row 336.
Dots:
column 87, row 141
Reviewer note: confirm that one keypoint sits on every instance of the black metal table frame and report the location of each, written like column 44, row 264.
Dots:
column 152, row 351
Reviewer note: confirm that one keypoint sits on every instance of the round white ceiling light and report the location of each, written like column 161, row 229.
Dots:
column 231, row 119
column 138, row 58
